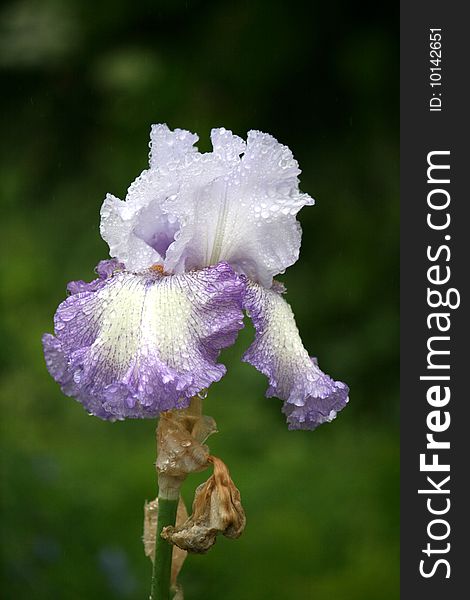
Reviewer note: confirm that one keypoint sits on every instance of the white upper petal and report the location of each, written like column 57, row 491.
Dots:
column 236, row 204
column 168, row 146
column 117, row 228
column 226, row 145
column 241, row 210
column 138, row 228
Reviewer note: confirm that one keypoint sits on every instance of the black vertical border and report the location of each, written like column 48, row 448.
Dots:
column 422, row 131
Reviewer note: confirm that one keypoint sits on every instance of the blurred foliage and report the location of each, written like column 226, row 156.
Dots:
column 82, row 82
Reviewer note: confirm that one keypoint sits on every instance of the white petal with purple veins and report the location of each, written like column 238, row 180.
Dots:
column 310, row 397
column 135, row 345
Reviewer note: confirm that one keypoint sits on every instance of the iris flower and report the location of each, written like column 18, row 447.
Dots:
column 197, row 241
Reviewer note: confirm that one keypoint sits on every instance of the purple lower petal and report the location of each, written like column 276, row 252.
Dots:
column 310, row 397
column 104, row 269
column 323, row 400
column 133, row 345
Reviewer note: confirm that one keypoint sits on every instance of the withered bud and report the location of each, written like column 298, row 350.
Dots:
column 150, row 530
column 180, row 437
column 216, row 509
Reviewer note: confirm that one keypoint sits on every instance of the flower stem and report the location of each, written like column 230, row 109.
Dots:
column 178, row 453
column 161, row 573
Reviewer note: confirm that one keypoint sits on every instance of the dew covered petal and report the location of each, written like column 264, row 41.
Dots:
column 167, row 146
column 236, row 204
column 133, row 345
column 139, row 230
column 310, row 396
column 240, row 209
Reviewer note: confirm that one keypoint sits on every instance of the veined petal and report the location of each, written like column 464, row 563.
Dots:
column 310, row 397
column 133, row 345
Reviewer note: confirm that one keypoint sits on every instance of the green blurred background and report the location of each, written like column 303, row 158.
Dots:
column 81, row 83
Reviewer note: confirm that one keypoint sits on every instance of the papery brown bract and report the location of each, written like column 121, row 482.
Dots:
column 216, row 509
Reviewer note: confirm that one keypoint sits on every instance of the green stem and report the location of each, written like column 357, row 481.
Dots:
column 161, row 573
